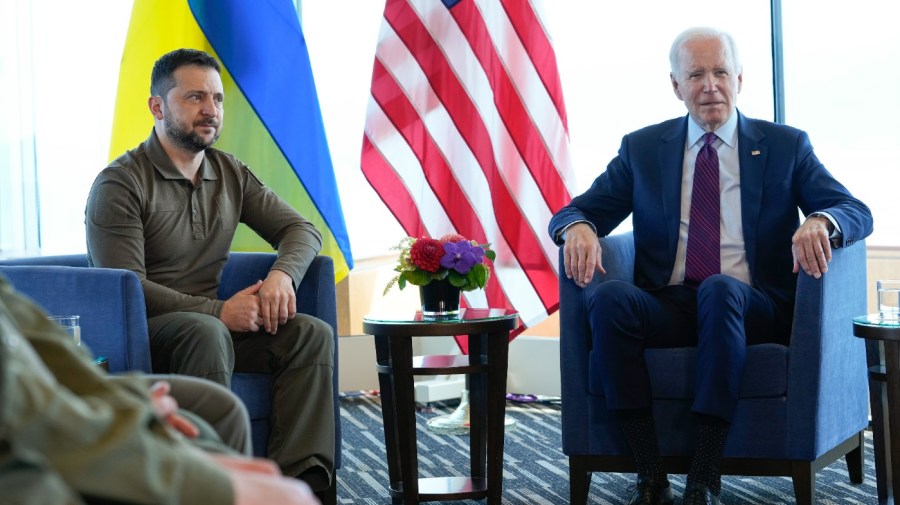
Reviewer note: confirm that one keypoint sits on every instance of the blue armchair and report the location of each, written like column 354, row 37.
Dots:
column 114, row 321
column 801, row 408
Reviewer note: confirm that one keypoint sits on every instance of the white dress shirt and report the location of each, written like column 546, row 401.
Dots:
column 731, row 232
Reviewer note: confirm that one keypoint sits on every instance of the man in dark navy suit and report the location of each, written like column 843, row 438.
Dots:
column 733, row 186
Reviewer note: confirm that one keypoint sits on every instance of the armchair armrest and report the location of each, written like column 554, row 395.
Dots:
column 575, row 338
column 316, row 296
column 826, row 362
column 109, row 301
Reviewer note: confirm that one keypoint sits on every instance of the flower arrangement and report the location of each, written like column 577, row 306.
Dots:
column 452, row 257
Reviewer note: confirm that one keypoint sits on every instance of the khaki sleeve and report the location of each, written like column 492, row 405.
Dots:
column 115, row 239
column 101, row 437
column 295, row 238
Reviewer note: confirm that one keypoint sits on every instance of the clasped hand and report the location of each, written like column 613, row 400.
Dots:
column 267, row 304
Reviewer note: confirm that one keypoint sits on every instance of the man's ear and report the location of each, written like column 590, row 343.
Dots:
column 675, row 86
column 155, row 103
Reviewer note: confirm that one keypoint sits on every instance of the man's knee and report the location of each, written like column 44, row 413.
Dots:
column 199, row 339
column 721, row 291
column 314, row 339
column 612, row 299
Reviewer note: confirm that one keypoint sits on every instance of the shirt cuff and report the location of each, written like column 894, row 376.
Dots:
column 561, row 236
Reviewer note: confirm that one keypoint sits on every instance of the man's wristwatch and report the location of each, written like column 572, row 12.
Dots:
column 835, row 237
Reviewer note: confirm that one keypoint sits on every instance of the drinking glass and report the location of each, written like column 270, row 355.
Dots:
column 70, row 324
column 888, row 300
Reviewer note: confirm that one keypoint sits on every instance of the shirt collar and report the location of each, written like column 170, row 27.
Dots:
column 163, row 164
column 727, row 132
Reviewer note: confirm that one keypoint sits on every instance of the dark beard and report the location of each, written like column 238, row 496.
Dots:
column 187, row 139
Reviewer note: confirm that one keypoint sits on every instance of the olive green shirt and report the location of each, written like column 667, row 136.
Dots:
column 59, row 411
column 143, row 215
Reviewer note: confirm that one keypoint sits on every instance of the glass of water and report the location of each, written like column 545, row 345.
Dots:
column 70, row 324
column 888, row 300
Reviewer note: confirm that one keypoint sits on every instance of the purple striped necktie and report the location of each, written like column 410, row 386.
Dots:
column 703, row 248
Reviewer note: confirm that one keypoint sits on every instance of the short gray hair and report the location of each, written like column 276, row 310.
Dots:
column 703, row 33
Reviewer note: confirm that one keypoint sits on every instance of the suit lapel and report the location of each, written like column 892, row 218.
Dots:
column 752, row 154
column 671, row 164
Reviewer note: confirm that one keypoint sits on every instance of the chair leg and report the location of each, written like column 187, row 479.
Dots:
column 804, row 482
column 856, row 459
column 579, row 480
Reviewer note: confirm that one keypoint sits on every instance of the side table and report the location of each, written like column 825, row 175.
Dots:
column 883, row 358
column 486, row 364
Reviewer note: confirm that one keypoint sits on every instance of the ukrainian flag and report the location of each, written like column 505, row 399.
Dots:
column 272, row 123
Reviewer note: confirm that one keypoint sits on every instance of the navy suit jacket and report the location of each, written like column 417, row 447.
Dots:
column 779, row 173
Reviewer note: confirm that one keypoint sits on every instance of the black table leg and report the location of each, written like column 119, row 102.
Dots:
column 498, row 358
column 478, row 408
column 401, row 365
column 388, row 411
column 878, row 401
column 892, row 371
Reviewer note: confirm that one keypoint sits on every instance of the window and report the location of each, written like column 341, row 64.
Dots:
column 19, row 227
column 841, row 87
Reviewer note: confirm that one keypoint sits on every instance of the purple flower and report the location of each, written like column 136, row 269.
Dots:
column 461, row 256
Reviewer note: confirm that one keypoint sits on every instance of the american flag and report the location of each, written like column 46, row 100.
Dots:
column 466, row 133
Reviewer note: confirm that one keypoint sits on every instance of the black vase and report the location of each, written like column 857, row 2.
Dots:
column 440, row 300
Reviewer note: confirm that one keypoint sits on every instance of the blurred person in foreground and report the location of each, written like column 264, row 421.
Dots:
column 714, row 199
column 70, row 433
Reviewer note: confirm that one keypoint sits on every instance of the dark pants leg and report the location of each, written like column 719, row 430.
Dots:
column 189, row 343
column 721, row 318
column 301, row 357
column 730, row 316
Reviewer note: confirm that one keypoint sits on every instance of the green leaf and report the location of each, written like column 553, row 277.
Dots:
column 479, row 274
column 491, row 255
column 417, row 277
column 457, row 279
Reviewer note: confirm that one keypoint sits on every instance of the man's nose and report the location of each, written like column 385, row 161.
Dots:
column 209, row 107
column 710, row 85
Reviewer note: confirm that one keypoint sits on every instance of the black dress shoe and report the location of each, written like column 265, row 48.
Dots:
column 699, row 494
column 651, row 492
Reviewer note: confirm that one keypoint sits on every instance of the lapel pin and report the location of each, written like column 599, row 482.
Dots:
column 754, row 152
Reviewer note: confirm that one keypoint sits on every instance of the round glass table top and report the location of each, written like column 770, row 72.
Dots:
column 875, row 327
column 875, row 320
column 467, row 315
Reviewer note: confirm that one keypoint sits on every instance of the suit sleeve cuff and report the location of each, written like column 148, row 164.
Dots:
column 561, row 236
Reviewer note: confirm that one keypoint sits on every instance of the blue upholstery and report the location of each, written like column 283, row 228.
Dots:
column 801, row 406
column 114, row 321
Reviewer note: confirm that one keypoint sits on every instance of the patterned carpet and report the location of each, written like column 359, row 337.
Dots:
column 535, row 469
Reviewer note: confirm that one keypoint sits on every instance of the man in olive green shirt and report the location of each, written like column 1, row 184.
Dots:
column 168, row 210
column 70, row 431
